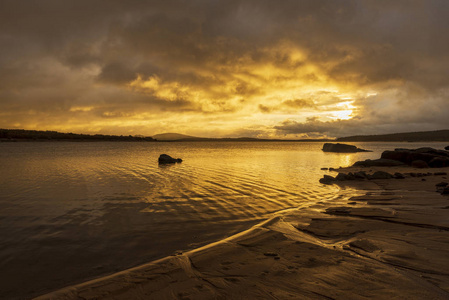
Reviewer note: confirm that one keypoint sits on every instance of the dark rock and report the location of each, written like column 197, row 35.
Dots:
column 350, row 176
column 441, row 184
column 440, row 173
column 380, row 175
column 398, row 155
column 360, row 175
column 398, row 175
column 332, row 169
column 420, row 164
column 327, row 179
column 439, row 162
column 445, row 191
column 341, row 148
column 432, row 157
column 381, row 162
column 342, row 177
column 167, row 159
column 446, row 148
column 324, row 169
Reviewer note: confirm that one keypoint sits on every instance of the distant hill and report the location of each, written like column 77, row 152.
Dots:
column 422, row 136
column 187, row 138
column 12, row 135
column 172, row 137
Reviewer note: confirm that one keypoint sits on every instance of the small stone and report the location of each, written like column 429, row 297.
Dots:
column 324, row 169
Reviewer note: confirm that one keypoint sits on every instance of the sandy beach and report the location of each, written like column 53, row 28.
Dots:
column 389, row 241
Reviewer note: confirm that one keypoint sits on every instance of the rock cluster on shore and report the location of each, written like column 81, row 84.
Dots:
column 417, row 158
column 342, row 148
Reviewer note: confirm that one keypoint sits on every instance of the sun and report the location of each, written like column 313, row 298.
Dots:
column 344, row 112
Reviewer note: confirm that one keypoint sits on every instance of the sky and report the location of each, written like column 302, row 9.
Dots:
column 225, row 68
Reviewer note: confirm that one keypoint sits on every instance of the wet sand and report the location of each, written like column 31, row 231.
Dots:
column 389, row 241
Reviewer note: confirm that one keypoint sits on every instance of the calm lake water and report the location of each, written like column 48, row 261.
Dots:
column 74, row 211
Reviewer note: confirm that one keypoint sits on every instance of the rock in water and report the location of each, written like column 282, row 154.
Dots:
column 327, row 179
column 167, row 159
column 341, row 148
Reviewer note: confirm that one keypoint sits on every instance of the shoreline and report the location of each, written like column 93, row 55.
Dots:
column 390, row 240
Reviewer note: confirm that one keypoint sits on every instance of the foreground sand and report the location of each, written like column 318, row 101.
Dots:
column 391, row 241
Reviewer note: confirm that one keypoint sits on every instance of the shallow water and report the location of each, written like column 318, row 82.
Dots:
column 73, row 211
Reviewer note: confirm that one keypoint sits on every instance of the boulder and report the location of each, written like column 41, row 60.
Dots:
column 342, row 177
column 327, row 179
column 439, row 162
column 381, row 162
column 167, row 159
column 419, row 164
column 341, row 148
column 380, row 175
column 360, row 175
column 398, row 175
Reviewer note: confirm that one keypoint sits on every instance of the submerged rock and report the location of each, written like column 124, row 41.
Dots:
column 341, row 148
column 167, row 159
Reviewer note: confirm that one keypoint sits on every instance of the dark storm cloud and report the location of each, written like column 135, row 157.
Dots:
column 57, row 55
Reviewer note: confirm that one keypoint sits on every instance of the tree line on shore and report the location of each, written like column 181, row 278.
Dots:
column 38, row 135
